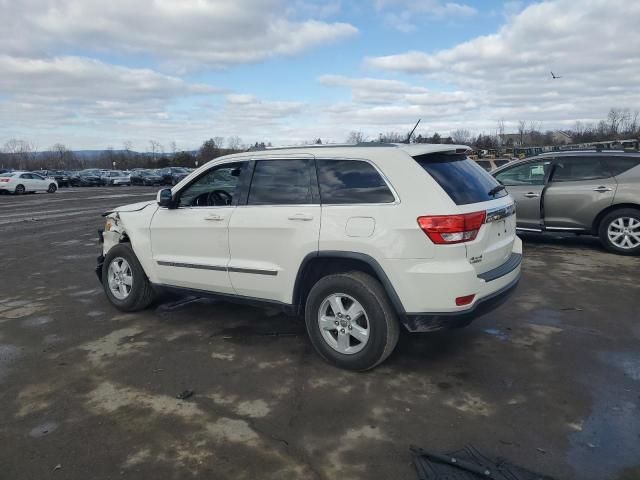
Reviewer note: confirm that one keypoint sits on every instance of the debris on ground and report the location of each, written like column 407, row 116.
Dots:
column 467, row 464
column 185, row 394
column 57, row 467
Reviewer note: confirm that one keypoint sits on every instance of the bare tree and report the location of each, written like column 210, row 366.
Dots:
column 522, row 130
column 500, row 132
column 219, row 141
column 234, row 143
column 21, row 151
column 461, row 136
column 356, row 137
column 155, row 148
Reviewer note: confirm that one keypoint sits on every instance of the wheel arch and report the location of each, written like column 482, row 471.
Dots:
column 322, row 263
column 595, row 227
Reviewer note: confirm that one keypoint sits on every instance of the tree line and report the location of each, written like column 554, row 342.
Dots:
column 24, row 155
column 620, row 124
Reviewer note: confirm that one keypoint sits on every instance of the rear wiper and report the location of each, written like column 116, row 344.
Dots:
column 496, row 189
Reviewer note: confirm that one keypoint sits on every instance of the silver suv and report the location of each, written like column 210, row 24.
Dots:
column 583, row 192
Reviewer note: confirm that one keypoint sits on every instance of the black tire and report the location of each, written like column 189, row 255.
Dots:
column 19, row 190
column 142, row 294
column 612, row 217
column 383, row 323
column 52, row 188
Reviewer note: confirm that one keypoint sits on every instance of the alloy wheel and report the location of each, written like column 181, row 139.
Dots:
column 343, row 323
column 120, row 278
column 624, row 232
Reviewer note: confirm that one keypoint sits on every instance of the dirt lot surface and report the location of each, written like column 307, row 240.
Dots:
column 550, row 381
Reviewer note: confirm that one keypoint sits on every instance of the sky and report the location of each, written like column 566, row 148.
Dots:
column 92, row 74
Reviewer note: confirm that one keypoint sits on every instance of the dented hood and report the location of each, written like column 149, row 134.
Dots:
column 133, row 207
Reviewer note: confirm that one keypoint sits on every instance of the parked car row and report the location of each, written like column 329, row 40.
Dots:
column 92, row 177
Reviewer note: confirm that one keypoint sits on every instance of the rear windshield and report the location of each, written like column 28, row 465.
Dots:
column 463, row 179
column 7, row 174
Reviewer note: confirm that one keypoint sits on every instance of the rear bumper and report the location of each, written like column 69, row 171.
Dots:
column 431, row 322
column 496, row 287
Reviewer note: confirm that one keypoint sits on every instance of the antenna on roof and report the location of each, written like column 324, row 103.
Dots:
column 411, row 132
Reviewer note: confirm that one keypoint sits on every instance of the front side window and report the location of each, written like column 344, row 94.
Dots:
column 351, row 181
column 281, row 182
column 215, row 188
column 532, row 173
column 573, row 169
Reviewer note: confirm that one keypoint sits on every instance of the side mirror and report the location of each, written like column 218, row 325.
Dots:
column 165, row 198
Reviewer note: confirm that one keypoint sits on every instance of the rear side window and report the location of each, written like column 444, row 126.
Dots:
column 572, row 169
column 462, row 178
column 351, row 181
column 281, row 182
column 619, row 165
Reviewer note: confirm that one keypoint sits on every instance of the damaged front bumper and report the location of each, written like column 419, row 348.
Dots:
column 100, row 259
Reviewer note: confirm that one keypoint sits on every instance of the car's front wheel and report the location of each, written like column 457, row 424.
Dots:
column 350, row 321
column 620, row 231
column 124, row 281
column 52, row 188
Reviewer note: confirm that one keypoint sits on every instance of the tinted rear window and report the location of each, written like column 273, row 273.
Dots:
column 499, row 163
column 351, row 181
column 462, row 178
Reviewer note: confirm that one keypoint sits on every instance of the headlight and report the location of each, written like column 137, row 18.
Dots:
column 110, row 224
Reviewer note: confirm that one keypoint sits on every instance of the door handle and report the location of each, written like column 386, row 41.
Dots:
column 214, row 218
column 531, row 195
column 602, row 189
column 301, row 217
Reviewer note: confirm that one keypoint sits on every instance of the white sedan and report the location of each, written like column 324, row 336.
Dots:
column 23, row 182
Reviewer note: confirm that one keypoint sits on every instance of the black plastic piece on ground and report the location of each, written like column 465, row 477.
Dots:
column 467, row 464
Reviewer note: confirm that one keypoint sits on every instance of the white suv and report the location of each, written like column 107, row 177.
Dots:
column 361, row 239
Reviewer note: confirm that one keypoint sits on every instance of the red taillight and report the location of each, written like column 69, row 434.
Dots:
column 447, row 229
column 4, row 179
column 466, row 300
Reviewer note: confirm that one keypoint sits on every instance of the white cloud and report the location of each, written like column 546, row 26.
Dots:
column 404, row 14
column 591, row 44
column 179, row 33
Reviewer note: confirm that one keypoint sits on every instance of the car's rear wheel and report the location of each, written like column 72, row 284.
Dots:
column 52, row 188
column 20, row 190
column 350, row 321
column 124, row 281
column 620, row 231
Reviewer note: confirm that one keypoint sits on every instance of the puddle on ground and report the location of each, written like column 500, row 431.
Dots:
column 609, row 439
column 36, row 321
column 44, row 429
column 545, row 316
column 495, row 332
